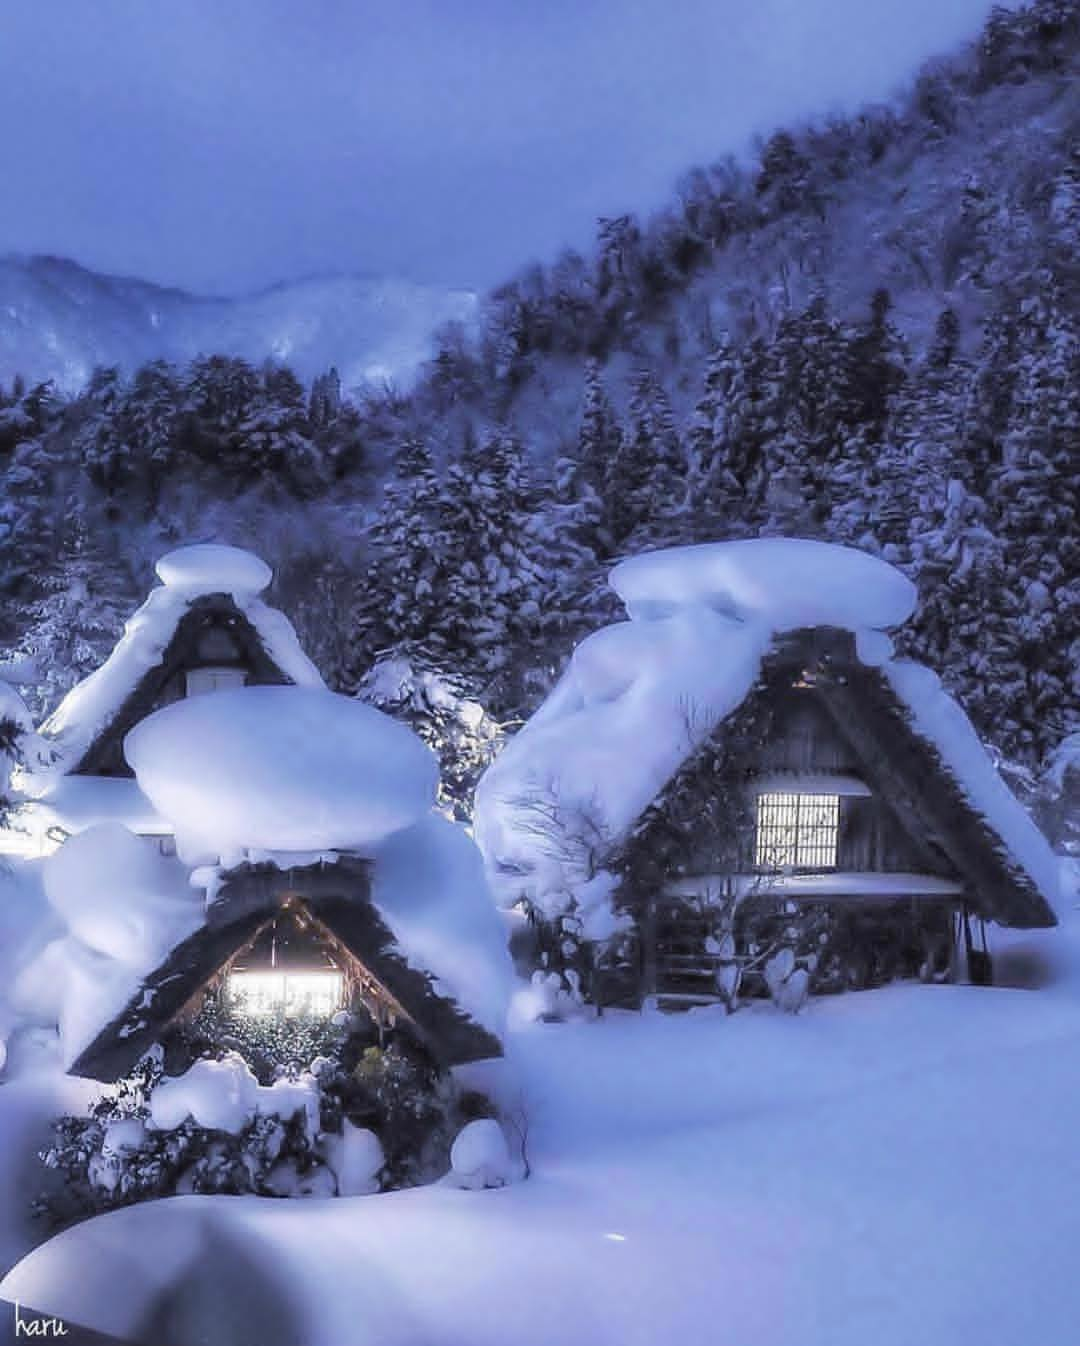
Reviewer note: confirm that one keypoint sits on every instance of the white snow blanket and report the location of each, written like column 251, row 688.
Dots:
column 187, row 574
column 280, row 769
column 121, row 907
column 888, row 1168
column 429, row 886
column 638, row 698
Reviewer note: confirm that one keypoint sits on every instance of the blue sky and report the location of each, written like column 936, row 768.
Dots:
column 226, row 144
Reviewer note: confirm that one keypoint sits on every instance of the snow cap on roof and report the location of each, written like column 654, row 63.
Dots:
column 785, row 582
column 280, row 769
column 640, row 696
column 189, row 573
column 213, row 568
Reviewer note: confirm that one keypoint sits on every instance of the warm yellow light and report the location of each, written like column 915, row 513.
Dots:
column 315, row 993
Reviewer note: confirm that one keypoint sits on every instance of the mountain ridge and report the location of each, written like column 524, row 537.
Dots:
column 60, row 319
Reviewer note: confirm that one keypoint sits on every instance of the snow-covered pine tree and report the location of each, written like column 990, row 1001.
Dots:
column 580, row 481
column 399, row 603
column 150, row 415
column 927, row 426
column 83, row 601
column 100, row 441
column 1036, row 500
column 657, row 487
column 274, row 435
column 722, row 496
column 964, row 624
column 874, row 370
column 324, row 403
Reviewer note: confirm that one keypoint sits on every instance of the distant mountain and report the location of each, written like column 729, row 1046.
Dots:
column 58, row 320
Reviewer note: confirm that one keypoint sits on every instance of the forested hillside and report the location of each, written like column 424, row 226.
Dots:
column 870, row 332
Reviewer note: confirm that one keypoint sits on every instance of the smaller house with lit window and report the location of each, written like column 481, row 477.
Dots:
column 205, row 628
column 227, row 841
column 744, row 782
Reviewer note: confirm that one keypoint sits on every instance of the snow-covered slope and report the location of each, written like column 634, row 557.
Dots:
column 58, row 320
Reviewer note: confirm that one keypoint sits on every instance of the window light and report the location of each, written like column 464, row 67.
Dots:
column 797, row 831
column 275, row 992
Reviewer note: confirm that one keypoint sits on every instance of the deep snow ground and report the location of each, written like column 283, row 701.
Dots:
column 892, row 1167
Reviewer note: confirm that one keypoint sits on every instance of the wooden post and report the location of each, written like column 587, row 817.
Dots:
column 648, row 949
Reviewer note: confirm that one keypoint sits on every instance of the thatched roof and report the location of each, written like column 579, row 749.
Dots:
column 909, row 771
column 174, row 631
column 334, row 900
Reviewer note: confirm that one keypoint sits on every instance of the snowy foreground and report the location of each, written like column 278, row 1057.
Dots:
column 896, row 1166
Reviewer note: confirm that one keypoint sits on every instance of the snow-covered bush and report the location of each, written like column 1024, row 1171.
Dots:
column 142, row 1141
column 394, row 1092
column 455, row 726
column 1058, row 800
column 271, row 1044
column 788, row 984
column 480, row 1157
column 356, row 1158
column 360, row 1120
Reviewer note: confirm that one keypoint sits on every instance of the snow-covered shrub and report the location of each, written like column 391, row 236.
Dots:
column 480, row 1157
column 455, row 726
column 356, row 1159
column 359, row 1120
column 572, row 929
column 1058, row 800
column 788, row 984
column 141, row 1141
column 18, row 742
column 402, row 1098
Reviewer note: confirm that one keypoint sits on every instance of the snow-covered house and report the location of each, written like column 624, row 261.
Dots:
column 204, row 628
column 745, row 768
column 224, row 830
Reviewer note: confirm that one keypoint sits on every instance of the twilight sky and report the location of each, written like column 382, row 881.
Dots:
column 226, row 144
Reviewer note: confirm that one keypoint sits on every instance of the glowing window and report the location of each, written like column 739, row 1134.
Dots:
column 797, row 831
column 316, row 993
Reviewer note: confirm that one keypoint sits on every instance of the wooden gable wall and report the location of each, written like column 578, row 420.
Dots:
column 787, row 729
column 214, row 633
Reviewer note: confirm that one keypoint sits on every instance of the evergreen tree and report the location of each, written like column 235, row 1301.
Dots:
column 650, row 474
column 398, row 606
column 274, row 445
column 581, row 480
column 19, row 746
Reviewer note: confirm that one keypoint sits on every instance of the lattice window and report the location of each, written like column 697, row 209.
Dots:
column 797, row 831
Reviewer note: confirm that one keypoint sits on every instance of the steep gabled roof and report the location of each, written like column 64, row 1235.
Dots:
column 925, row 780
column 160, row 639
column 335, row 900
column 641, row 696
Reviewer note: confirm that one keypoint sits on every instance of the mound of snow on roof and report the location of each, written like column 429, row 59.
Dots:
column 635, row 701
column 280, row 769
column 212, row 567
column 640, row 696
column 75, row 803
column 124, row 907
column 785, row 582
column 429, row 886
column 119, row 895
column 91, row 705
